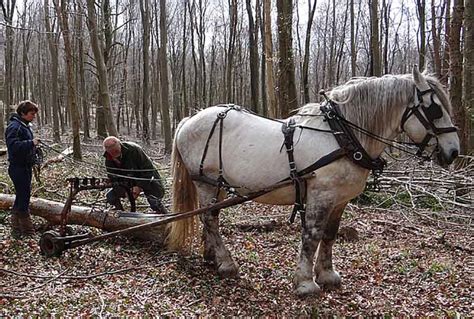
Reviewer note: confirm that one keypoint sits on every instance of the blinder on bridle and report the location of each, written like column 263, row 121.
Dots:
column 431, row 113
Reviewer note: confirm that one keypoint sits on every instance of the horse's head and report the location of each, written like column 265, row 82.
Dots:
column 431, row 127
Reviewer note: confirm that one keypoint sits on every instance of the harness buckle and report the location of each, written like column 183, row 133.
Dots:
column 357, row 156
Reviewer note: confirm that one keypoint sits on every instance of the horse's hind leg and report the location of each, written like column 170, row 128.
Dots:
column 214, row 248
column 316, row 217
column 325, row 274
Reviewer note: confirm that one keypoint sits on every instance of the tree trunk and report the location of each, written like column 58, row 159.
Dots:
column 420, row 8
column 8, row 8
column 101, row 68
column 286, row 79
column 269, row 83
column 447, row 31
column 93, row 217
column 436, row 41
column 455, row 90
column 307, row 43
column 165, row 112
column 253, row 60
column 231, row 51
column 145, row 14
column 53, row 43
column 71, row 89
column 469, row 67
column 82, row 77
column 375, row 66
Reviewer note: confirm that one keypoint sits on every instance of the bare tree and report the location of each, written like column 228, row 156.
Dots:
column 420, row 9
column 286, row 72
column 375, row 65
column 81, row 58
column 101, row 68
column 455, row 79
column 353, row 42
column 53, row 42
column 62, row 13
column 145, row 14
column 165, row 113
column 268, row 48
column 253, row 40
column 469, row 65
column 8, row 9
column 307, row 43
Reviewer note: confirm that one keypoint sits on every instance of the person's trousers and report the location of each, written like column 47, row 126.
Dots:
column 154, row 192
column 21, row 177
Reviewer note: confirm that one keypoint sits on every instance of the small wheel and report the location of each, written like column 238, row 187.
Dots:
column 50, row 245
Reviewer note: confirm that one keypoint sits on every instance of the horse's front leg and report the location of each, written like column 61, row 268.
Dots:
column 214, row 248
column 325, row 274
column 316, row 217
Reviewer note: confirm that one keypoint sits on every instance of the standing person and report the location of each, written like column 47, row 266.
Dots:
column 128, row 159
column 21, row 146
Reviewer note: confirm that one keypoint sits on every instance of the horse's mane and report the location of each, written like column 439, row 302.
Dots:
column 370, row 102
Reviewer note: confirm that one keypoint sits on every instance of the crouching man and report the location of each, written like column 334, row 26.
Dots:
column 126, row 161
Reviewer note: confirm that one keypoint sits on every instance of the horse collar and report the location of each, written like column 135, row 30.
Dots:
column 348, row 141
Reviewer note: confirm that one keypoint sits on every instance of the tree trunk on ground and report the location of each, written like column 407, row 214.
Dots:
column 86, row 216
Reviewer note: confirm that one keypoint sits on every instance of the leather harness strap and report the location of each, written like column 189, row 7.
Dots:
column 288, row 130
column 348, row 141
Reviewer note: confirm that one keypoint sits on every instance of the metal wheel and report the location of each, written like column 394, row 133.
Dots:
column 50, row 244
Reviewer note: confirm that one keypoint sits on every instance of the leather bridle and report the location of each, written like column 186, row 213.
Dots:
column 431, row 113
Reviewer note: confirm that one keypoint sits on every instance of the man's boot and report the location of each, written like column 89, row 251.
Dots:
column 161, row 209
column 15, row 222
column 26, row 225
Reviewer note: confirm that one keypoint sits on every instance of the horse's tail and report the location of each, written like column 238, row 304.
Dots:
column 184, row 194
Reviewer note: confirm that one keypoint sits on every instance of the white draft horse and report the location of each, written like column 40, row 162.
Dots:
column 252, row 159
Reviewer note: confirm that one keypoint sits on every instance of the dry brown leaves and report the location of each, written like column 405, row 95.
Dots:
column 402, row 264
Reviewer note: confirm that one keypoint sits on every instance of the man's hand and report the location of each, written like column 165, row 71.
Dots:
column 136, row 190
column 36, row 141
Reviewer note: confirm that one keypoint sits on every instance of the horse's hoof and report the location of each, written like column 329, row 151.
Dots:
column 307, row 288
column 228, row 270
column 330, row 279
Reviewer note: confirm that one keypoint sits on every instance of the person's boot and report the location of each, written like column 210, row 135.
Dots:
column 161, row 209
column 26, row 225
column 15, row 223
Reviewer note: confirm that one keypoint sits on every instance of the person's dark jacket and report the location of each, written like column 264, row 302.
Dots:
column 19, row 138
column 133, row 162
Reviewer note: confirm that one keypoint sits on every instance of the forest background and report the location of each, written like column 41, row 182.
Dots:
column 135, row 68
column 104, row 67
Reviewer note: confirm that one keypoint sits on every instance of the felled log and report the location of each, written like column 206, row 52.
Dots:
column 86, row 216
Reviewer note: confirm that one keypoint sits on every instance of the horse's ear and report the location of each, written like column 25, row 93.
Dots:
column 419, row 79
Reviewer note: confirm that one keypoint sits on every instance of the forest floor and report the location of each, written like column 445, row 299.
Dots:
column 398, row 260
